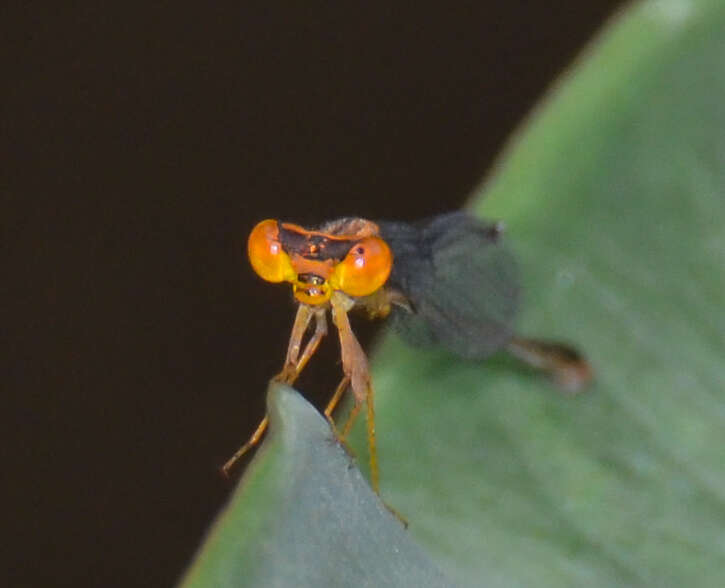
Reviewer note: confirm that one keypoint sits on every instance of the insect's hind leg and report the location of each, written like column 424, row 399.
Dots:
column 569, row 369
column 372, row 446
column 330, row 408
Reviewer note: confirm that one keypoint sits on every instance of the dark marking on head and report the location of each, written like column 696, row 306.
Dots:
column 314, row 246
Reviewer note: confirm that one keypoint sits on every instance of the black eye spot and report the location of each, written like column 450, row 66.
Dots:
column 360, row 250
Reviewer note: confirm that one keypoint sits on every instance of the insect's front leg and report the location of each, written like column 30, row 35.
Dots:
column 355, row 367
column 314, row 342
column 294, row 363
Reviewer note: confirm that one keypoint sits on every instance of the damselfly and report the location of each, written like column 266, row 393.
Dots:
column 446, row 281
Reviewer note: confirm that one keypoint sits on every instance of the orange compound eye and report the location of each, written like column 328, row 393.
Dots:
column 365, row 268
column 266, row 255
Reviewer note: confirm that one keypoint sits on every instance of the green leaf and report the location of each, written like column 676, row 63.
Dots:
column 304, row 516
column 614, row 199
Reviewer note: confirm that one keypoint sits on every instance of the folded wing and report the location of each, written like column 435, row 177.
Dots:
column 460, row 279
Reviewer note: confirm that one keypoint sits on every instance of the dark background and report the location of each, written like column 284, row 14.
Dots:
column 139, row 146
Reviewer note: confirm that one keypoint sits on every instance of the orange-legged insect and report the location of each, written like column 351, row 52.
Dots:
column 448, row 281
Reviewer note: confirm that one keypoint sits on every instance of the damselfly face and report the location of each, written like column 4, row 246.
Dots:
column 345, row 255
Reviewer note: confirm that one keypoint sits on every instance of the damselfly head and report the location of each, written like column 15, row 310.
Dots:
column 316, row 263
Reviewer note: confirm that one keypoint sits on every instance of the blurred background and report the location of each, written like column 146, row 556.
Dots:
column 139, row 147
